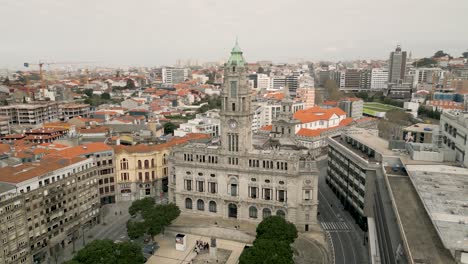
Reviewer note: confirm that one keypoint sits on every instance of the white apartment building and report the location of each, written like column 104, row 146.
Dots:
column 205, row 123
column 263, row 81
column 379, row 78
column 454, row 130
column 266, row 111
column 174, row 75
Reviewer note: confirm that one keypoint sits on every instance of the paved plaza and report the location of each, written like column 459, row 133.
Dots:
column 167, row 254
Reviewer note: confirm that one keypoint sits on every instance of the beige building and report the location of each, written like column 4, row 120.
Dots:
column 237, row 181
column 142, row 170
column 60, row 200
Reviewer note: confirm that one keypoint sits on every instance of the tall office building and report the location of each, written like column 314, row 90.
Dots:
column 379, row 78
column 397, row 66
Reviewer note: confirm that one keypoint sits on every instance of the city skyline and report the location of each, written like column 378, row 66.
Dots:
column 160, row 33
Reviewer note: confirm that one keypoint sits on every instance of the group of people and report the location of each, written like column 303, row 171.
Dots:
column 200, row 245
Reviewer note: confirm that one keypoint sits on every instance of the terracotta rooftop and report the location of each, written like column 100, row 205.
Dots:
column 316, row 113
column 81, row 150
column 28, row 171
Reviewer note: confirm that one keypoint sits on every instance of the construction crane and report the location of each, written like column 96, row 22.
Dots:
column 41, row 70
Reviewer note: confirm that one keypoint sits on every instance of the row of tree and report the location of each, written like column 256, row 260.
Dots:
column 431, row 61
column 154, row 218
column 107, row 252
column 272, row 244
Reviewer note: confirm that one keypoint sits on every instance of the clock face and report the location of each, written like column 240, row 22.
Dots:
column 232, row 123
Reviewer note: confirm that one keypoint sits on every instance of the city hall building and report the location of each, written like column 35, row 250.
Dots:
column 231, row 178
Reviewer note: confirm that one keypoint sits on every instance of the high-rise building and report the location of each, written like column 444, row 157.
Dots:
column 174, row 75
column 397, row 66
column 263, row 82
column 379, row 78
column 237, row 180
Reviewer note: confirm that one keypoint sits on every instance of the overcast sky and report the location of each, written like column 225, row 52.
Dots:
column 156, row 32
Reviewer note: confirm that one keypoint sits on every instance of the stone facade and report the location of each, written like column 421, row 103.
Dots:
column 233, row 179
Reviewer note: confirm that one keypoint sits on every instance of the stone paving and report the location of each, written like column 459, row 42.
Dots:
column 167, row 254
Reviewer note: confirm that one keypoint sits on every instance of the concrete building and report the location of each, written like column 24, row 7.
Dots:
column 397, row 66
column 355, row 80
column 454, row 131
column 4, row 125
column 103, row 156
column 263, row 82
column 234, row 180
column 379, row 79
column 68, row 111
column 399, row 91
column 175, row 75
column 205, row 123
column 60, row 200
column 352, row 106
column 419, row 133
column 31, row 114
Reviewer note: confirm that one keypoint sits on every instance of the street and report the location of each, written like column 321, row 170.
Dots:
column 346, row 236
column 114, row 227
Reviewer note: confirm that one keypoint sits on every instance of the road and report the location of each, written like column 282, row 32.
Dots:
column 115, row 228
column 346, row 236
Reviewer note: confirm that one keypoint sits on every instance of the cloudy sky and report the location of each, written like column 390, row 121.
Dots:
column 156, row 32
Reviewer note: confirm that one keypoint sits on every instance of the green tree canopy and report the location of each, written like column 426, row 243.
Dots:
column 266, row 251
column 89, row 92
column 107, row 252
column 277, row 228
column 334, row 93
column 425, row 62
column 440, row 53
column 130, row 84
column 169, row 128
column 105, row 96
column 155, row 217
column 272, row 244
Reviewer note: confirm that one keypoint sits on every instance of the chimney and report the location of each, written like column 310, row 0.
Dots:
column 117, row 142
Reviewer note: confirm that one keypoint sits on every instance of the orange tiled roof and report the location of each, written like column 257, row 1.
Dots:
column 316, row 113
column 274, row 95
column 81, row 150
column 330, row 103
column 267, row 128
column 101, row 129
column 28, row 171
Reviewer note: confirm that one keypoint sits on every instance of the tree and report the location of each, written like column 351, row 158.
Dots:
column 155, row 218
column 105, row 96
column 89, row 92
column 130, row 84
column 268, row 252
column 425, row 62
column 399, row 117
column 318, row 99
column 334, row 93
column 277, row 228
column 169, row 128
column 107, row 252
column 260, row 70
column 272, row 244
column 440, row 53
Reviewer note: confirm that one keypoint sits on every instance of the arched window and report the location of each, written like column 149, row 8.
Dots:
column 124, row 164
column 266, row 213
column 253, row 212
column 281, row 213
column 188, row 203
column 200, row 205
column 146, row 164
column 164, row 159
column 212, row 206
column 152, row 163
column 147, row 178
column 139, row 164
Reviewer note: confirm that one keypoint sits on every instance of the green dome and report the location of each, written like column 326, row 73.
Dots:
column 236, row 56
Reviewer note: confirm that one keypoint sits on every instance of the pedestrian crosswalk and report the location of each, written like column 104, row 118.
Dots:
column 335, row 226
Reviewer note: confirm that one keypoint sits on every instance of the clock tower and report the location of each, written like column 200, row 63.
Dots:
column 236, row 115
